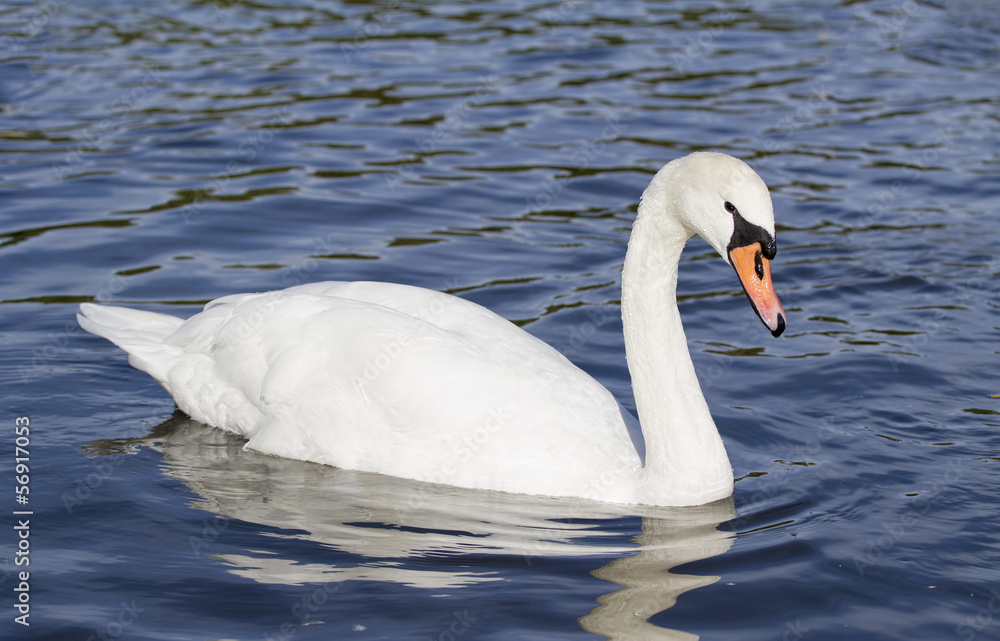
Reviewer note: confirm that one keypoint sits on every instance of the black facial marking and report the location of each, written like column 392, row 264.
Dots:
column 746, row 233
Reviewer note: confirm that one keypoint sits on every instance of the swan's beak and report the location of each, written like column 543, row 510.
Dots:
column 755, row 275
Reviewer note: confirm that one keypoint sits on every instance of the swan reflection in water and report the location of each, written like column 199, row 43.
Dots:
column 387, row 521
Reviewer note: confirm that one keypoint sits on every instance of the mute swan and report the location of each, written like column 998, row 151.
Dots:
column 422, row 385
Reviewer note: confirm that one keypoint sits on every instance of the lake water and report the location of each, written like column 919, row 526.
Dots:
column 162, row 155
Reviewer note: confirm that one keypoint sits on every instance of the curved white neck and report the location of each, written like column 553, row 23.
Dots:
column 686, row 461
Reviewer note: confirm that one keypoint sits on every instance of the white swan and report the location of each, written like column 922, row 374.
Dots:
column 423, row 385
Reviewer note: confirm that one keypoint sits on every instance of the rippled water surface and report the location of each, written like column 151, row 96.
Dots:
column 161, row 155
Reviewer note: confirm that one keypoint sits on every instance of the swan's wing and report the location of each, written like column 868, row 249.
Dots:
column 400, row 380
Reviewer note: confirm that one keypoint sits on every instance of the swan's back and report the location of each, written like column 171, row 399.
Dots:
column 386, row 378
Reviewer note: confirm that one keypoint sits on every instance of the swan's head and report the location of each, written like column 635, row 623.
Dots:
column 724, row 201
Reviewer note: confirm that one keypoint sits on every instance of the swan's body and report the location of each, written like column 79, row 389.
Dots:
column 415, row 383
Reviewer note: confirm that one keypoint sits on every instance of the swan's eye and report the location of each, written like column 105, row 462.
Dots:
column 758, row 266
column 730, row 207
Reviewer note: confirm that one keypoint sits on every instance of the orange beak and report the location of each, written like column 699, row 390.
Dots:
column 755, row 275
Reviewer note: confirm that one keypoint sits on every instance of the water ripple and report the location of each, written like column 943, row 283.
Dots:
column 167, row 156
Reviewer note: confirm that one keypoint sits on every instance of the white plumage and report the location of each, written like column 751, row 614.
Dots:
column 419, row 384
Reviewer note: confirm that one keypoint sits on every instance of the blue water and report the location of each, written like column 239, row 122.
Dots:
column 163, row 155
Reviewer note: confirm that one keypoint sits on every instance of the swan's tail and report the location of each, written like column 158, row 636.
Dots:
column 141, row 334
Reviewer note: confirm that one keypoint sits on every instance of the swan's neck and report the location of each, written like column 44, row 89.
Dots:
column 686, row 461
